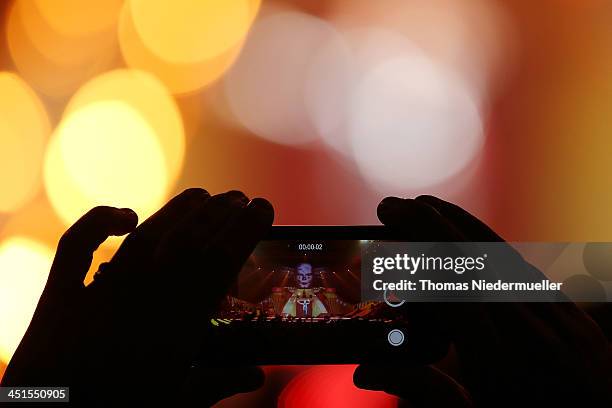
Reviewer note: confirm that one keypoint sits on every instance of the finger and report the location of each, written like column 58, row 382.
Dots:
column 475, row 230
column 184, row 242
column 515, row 315
column 417, row 220
column 430, row 338
column 470, row 326
column 148, row 235
column 548, row 321
column 202, row 268
column 239, row 237
column 144, row 241
column 77, row 245
column 465, row 222
column 205, row 386
column 519, row 328
column 53, row 318
column 421, row 386
column 567, row 324
column 230, row 248
column 204, row 271
column 216, row 214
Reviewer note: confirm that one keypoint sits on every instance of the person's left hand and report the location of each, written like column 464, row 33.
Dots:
column 132, row 334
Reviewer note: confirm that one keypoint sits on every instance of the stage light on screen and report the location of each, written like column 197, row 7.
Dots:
column 24, row 129
column 265, row 87
column 105, row 153
column 413, row 123
column 24, row 267
column 56, row 61
column 180, row 78
column 186, row 32
column 150, row 98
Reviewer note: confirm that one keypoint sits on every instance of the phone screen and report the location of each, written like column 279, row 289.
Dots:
column 304, row 294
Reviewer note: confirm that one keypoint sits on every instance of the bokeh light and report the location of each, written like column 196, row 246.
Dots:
column 65, row 38
column 36, row 220
column 24, row 129
column 76, row 17
column 464, row 45
column 413, row 124
column 185, row 31
column 597, row 258
column 24, row 267
column 274, row 62
column 105, row 154
column 473, row 38
column 180, row 78
column 331, row 76
column 401, row 94
column 56, row 62
column 580, row 288
column 144, row 93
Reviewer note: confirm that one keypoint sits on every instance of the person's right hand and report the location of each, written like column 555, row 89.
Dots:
column 132, row 334
column 508, row 354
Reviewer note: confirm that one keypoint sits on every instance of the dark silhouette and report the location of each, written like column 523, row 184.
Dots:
column 132, row 334
column 499, row 354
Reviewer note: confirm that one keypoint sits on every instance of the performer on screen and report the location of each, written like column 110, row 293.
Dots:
column 304, row 300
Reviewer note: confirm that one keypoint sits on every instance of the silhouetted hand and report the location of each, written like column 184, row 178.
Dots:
column 508, row 354
column 132, row 334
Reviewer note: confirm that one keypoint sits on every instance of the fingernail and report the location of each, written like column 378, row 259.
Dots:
column 428, row 199
column 390, row 203
column 130, row 215
column 237, row 197
column 362, row 381
column 128, row 211
column 196, row 192
column 431, row 201
column 262, row 208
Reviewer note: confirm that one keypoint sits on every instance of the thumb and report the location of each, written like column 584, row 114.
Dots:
column 421, row 386
column 72, row 261
column 76, row 247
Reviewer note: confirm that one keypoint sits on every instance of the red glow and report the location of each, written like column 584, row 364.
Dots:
column 331, row 386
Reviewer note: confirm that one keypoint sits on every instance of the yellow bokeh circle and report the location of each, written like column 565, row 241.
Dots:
column 24, row 130
column 71, row 43
column 24, row 267
column 78, row 17
column 105, row 153
column 53, row 62
column 150, row 98
column 186, row 31
column 180, row 78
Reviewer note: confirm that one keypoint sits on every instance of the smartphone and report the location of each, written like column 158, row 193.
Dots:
column 298, row 300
